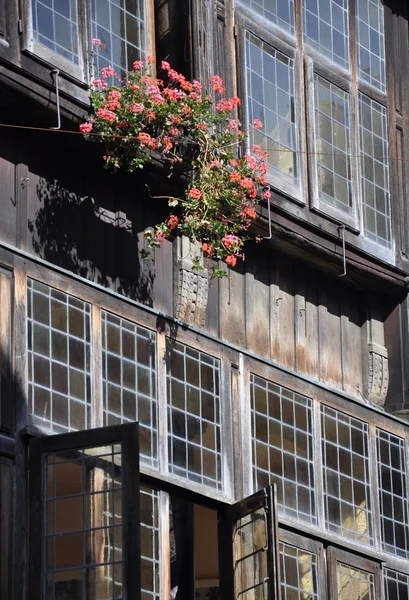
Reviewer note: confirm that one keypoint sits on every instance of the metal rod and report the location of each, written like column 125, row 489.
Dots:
column 56, row 74
column 270, row 233
column 344, row 258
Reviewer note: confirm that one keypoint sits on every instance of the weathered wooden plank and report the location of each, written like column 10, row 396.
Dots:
column 257, row 306
column 306, row 322
column 232, row 307
column 8, row 200
column 212, row 311
column 352, row 351
column 282, row 312
column 6, row 520
column 6, row 404
column 329, row 335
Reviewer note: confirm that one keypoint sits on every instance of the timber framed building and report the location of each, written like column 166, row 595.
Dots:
column 292, row 371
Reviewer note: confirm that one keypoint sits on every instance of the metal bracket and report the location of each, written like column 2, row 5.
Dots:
column 270, row 233
column 56, row 74
column 344, row 259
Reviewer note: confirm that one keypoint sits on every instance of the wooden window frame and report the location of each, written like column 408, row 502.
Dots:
column 126, row 435
column 286, row 45
column 335, row 555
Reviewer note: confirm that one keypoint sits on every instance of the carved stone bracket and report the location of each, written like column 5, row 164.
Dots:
column 192, row 286
column 376, row 368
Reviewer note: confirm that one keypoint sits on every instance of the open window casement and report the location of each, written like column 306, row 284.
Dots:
column 251, row 535
column 84, row 515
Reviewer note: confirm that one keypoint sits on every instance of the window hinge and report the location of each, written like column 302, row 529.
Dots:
column 20, row 26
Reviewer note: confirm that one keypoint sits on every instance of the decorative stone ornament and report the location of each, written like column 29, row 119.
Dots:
column 376, row 364
column 192, row 286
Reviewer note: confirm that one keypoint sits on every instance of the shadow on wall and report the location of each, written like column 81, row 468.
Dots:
column 100, row 243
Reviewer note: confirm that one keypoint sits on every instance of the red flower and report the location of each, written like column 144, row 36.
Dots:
column 231, row 260
column 173, row 222
column 195, row 193
column 207, row 248
column 86, row 127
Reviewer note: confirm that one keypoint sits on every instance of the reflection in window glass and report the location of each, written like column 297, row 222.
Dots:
column 194, row 438
column 332, row 143
column 55, row 25
column 371, row 42
column 354, row 584
column 59, row 348
column 149, row 544
column 346, row 475
column 325, row 28
column 392, row 493
column 120, row 28
column 299, row 577
column 270, row 92
column 282, row 447
column 396, row 585
column 375, row 170
column 280, row 12
column 129, row 380
column 83, row 524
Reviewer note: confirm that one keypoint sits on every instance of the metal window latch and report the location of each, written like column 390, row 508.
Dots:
column 344, row 258
column 20, row 26
column 56, row 74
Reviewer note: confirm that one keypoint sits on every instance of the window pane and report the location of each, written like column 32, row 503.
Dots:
column 120, row 28
column 282, row 447
column 375, row 171
column 270, row 91
column 332, row 144
column 129, row 380
column 280, row 12
column 55, row 25
column 299, row 576
column 354, row 584
column 325, row 28
column 59, row 359
column 392, row 493
column 396, row 585
column 83, row 523
column 150, row 543
column 348, row 509
column 194, row 437
column 371, row 42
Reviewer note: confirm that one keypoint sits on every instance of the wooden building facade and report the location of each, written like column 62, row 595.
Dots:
column 292, row 371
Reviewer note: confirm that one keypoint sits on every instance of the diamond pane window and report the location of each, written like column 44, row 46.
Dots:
column 280, row 12
column 392, row 493
column 120, row 27
column 59, row 349
column 194, row 430
column 270, row 92
column 332, row 144
column 354, row 584
column 281, row 423
column 129, row 380
column 55, row 25
column 375, row 170
column 299, row 576
column 371, row 42
column 325, row 28
column 347, row 501
column 396, row 585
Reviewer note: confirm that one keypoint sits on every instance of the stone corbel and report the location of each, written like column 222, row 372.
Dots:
column 192, row 286
column 376, row 369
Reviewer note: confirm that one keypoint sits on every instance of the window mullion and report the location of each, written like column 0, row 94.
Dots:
column 247, row 485
column 162, row 403
column 97, row 410
column 164, row 545
column 226, row 418
column 373, row 478
column 317, row 455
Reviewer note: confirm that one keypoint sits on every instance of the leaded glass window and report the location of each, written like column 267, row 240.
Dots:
column 345, row 457
column 325, row 28
column 194, row 422
column 281, row 423
column 375, row 170
column 150, row 543
column 396, row 585
column 59, row 349
column 55, row 25
column 129, row 380
column 333, row 145
column 392, row 493
column 299, row 574
column 354, row 584
column 371, row 42
column 271, row 99
column 280, row 12
column 119, row 25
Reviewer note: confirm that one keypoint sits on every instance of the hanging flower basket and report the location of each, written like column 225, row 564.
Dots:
column 142, row 116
